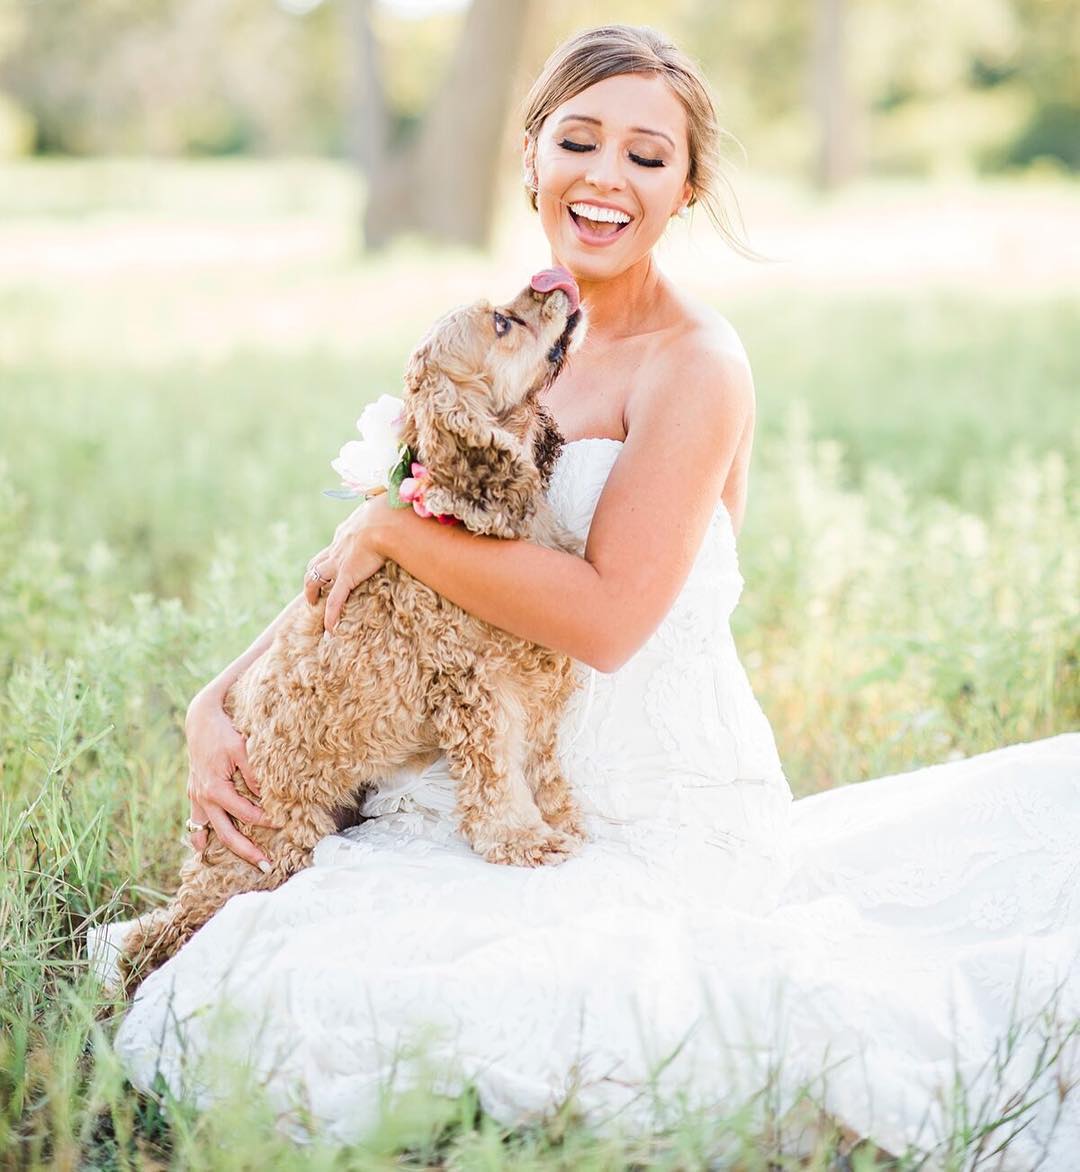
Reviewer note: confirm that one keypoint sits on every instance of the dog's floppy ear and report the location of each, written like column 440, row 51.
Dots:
column 477, row 471
column 547, row 444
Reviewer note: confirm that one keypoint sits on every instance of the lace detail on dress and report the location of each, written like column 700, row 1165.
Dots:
column 678, row 737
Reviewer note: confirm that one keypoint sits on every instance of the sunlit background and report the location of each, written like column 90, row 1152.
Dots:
column 223, row 226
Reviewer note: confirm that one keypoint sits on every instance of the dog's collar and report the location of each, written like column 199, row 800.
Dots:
column 408, row 481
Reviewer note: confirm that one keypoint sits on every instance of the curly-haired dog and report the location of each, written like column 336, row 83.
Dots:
column 408, row 673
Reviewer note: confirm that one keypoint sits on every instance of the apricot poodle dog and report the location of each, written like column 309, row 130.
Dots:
column 408, row 674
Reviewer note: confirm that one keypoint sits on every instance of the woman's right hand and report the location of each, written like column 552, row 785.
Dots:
column 215, row 751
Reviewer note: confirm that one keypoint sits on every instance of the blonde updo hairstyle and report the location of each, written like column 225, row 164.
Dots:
column 614, row 49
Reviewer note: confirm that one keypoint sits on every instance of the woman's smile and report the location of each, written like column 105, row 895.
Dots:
column 598, row 225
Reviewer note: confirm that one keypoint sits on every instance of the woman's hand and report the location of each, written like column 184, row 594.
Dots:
column 215, row 751
column 350, row 558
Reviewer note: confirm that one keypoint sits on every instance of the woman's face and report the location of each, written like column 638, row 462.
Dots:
column 611, row 166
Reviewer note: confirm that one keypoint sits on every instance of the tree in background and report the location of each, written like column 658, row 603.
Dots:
column 1046, row 64
column 831, row 97
column 442, row 181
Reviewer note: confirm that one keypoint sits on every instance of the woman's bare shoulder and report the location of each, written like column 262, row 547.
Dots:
column 707, row 332
column 701, row 369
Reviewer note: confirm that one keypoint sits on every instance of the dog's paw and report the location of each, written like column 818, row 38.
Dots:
column 535, row 847
column 570, row 821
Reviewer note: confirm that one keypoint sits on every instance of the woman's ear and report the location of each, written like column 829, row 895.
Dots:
column 528, row 165
column 477, row 471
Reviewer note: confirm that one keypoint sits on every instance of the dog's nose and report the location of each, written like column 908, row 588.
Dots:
column 547, row 280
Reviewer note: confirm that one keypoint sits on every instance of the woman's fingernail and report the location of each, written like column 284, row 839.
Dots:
column 265, row 867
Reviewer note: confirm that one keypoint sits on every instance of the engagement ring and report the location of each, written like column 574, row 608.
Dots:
column 195, row 827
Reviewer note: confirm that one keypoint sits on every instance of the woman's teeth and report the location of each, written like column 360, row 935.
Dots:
column 588, row 211
column 595, row 224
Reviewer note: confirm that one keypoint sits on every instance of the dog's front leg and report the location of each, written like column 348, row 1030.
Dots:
column 485, row 750
column 551, row 790
column 543, row 769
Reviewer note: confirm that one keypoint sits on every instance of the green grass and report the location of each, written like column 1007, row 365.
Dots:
column 911, row 553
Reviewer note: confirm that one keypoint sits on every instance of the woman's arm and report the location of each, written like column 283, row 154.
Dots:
column 216, row 750
column 646, row 531
column 215, row 690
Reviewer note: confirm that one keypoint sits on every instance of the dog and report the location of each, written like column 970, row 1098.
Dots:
column 407, row 674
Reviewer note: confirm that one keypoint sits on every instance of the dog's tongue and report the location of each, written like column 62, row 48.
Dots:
column 560, row 278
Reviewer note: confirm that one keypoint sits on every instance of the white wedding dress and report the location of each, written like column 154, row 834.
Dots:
column 712, row 936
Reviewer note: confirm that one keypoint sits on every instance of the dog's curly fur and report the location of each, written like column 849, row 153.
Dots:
column 408, row 674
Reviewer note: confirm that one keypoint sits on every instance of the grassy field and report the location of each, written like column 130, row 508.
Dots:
column 182, row 351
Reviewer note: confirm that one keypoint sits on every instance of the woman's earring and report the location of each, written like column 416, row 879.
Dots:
column 684, row 212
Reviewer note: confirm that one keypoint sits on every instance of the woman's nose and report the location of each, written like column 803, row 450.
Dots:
column 605, row 169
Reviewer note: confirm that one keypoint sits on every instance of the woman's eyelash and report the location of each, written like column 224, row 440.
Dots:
column 570, row 145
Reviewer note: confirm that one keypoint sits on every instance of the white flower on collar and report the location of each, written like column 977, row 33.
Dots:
column 366, row 463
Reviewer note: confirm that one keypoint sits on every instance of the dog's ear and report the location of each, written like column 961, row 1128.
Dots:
column 477, row 471
column 547, row 444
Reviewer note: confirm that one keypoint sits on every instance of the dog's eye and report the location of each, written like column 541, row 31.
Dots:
column 502, row 324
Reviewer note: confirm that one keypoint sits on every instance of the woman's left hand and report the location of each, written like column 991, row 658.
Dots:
column 350, row 559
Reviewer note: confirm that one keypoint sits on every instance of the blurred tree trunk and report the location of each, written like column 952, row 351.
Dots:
column 442, row 182
column 830, row 95
column 365, row 105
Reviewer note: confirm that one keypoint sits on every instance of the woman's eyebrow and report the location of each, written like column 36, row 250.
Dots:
column 597, row 122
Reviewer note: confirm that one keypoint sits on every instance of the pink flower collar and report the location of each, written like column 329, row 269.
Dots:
column 380, row 460
column 411, row 490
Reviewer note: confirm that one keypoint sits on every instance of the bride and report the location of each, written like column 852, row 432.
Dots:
column 879, row 946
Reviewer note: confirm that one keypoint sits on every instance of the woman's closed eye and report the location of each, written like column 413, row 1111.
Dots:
column 570, row 145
